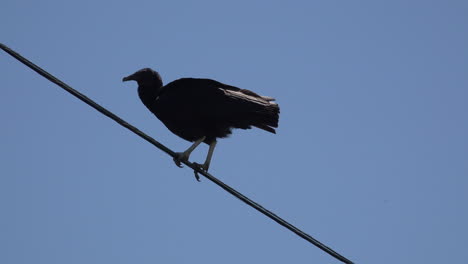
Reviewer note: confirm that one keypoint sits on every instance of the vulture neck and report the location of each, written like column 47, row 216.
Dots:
column 148, row 93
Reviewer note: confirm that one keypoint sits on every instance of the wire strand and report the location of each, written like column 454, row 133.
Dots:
column 196, row 169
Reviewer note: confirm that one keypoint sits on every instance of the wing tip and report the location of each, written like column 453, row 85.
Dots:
column 268, row 98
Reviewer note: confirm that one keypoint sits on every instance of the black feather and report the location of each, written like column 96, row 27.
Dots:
column 195, row 108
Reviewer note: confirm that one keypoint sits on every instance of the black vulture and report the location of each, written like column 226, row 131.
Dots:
column 202, row 110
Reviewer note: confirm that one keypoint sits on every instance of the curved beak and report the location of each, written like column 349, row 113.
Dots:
column 128, row 78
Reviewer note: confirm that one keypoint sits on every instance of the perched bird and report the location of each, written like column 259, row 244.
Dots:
column 202, row 110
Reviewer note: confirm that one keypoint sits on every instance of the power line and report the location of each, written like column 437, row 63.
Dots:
column 196, row 169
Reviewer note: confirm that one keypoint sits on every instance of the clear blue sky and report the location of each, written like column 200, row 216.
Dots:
column 371, row 156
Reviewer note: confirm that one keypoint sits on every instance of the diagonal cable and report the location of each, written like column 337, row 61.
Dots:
column 196, row 169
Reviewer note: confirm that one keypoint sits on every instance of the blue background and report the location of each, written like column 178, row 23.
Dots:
column 371, row 156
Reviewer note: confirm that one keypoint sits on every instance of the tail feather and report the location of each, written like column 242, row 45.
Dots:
column 266, row 128
column 258, row 111
column 268, row 118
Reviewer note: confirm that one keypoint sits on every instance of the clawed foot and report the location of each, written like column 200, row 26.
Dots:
column 202, row 167
column 181, row 156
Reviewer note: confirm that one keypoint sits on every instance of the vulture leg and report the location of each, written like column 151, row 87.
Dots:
column 184, row 156
column 206, row 165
